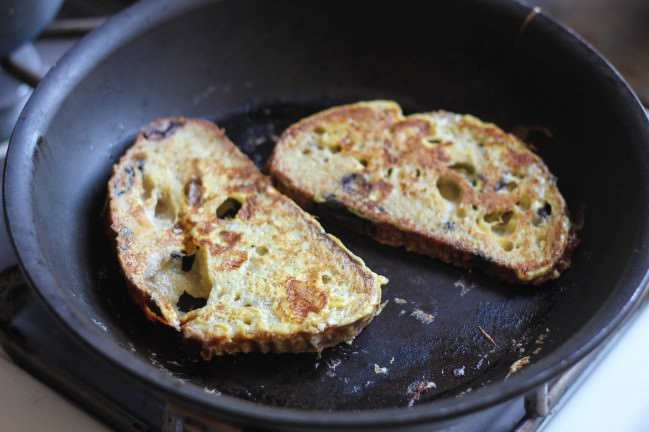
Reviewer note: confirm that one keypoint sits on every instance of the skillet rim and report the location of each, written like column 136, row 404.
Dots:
column 86, row 55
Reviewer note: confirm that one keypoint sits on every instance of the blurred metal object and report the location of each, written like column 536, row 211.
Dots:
column 73, row 26
column 21, row 66
column 14, row 90
column 23, row 20
column 619, row 29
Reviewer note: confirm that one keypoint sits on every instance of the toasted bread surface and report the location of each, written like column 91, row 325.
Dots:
column 209, row 247
column 442, row 184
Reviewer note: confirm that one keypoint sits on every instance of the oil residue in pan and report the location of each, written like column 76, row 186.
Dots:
column 443, row 332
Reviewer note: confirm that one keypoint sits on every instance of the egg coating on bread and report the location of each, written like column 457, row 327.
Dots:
column 209, row 247
column 442, row 184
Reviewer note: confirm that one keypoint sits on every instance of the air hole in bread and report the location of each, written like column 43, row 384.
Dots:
column 306, row 152
column 461, row 212
column 507, row 245
column 388, row 174
column 519, row 175
column 261, row 250
column 140, row 161
column 247, row 320
column 153, row 307
column 469, row 172
column 417, row 172
column 432, row 142
column 325, row 279
column 492, row 217
column 506, row 185
column 187, row 302
column 503, row 228
column 450, row 189
column 363, row 162
column 464, row 168
column 187, row 262
column 545, row 211
column 319, row 130
column 524, row 203
column 228, row 208
column 336, row 148
column 147, row 187
column 237, row 296
column 164, row 208
column 502, row 223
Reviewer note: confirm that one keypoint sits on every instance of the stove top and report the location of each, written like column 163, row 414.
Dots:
column 35, row 340
column 27, row 332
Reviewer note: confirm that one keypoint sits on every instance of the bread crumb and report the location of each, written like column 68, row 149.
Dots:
column 333, row 364
column 398, row 300
column 488, row 337
column 418, row 388
column 380, row 370
column 422, row 316
column 518, row 365
column 465, row 287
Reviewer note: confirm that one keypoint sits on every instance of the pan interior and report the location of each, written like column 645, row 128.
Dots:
column 444, row 331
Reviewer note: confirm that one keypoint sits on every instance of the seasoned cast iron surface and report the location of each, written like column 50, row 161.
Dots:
column 444, row 331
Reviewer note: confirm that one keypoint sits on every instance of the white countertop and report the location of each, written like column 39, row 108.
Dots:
column 28, row 405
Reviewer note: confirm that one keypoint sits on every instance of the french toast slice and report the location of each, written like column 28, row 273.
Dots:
column 209, row 247
column 442, row 184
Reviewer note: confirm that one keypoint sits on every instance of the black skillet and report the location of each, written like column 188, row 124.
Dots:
column 255, row 67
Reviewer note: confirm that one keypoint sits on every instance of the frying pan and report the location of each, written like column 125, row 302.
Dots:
column 255, row 67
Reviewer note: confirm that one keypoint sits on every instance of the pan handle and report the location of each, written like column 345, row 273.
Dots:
column 180, row 419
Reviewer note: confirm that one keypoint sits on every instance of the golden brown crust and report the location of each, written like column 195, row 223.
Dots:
column 194, row 220
column 296, row 343
column 440, row 184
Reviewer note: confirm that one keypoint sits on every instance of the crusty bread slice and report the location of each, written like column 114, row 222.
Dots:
column 441, row 184
column 210, row 248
